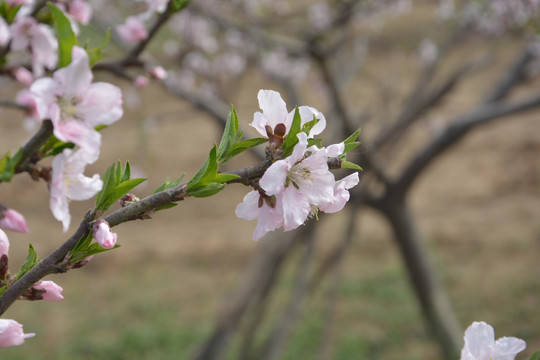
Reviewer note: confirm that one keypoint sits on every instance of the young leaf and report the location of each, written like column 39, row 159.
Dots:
column 242, row 146
column 31, row 261
column 127, row 172
column 229, row 134
column 350, row 146
column 309, row 125
column 291, row 139
column 89, row 250
column 7, row 169
column 207, row 172
column 223, row 178
column 66, row 36
column 168, row 184
column 535, row 356
column 120, row 190
column 316, row 142
column 353, row 137
column 349, row 165
column 206, row 190
column 179, row 5
column 96, row 53
column 108, row 184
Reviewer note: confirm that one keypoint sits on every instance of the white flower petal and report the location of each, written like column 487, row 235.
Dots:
column 296, row 208
column 506, row 348
column 479, row 338
column 274, row 177
column 248, row 209
column 101, row 105
column 273, row 107
column 75, row 78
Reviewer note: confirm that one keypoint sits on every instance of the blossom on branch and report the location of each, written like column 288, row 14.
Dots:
column 296, row 188
column 4, row 244
column 480, row 344
column 26, row 32
column 75, row 105
column 103, row 234
column 69, row 183
column 53, row 292
column 12, row 220
column 274, row 112
column 11, row 333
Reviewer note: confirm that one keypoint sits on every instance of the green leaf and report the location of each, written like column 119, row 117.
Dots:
column 31, row 261
column 179, row 5
column 349, row 165
column 535, row 356
column 291, row 139
column 207, row 172
column 95, row 54
column 91, row 249
column 350, row 146
column 229, row 134
column 206, row 190
column 53, row 147
column 9, row 12
column 306, row 128
column 7, row 169
column 115, row 186
column 242, row 146
column 66, row 36
column 168, row 184
column 316, row 142
column 3, row 289
column 353, row 137
column 223, row 178
column 83, row 243
column 166, row 206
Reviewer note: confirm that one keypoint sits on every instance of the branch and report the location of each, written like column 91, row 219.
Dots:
column 456, row 130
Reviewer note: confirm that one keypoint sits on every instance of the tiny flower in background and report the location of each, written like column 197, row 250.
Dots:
column 158, row 73
column 23, row 76
column 274, row 112
column 53, row 292
column 480, row 344
column 26, row 32
column 80, row 10
column 141, row 81
column 75, row 105
column 11, row 333
column 69, row 183
column 133, row 30
column 4, row 244
column 103, row 234
column 12, row 220
column 428, row 51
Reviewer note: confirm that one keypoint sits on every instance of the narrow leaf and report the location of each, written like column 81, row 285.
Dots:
column 66, row 36
column 240, row 147
column 349, row 165
column 535, row 356
column 350, row 146
column 206, row 190
column 29, row 263
column 207, row 172
column 291, row 139
column 223, row 178
column 229, row 134
column 353, row 137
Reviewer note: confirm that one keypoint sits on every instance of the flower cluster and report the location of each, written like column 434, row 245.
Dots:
column 296, row 187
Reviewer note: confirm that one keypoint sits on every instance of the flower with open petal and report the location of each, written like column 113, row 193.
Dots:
column 69, row 183
column 480, row 344
column 274, row 112
column 11, row 333
column 75, row 105
column 254, row 206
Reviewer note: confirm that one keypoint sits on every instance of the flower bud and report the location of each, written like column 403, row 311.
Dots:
column 12, row 220
column 140, row 82
column 158, row 73
column 53, row 292
column 11, row 333
column 103, row 234
column 128, row 199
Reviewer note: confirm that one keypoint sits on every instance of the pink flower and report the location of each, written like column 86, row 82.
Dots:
column 75, row 105
column 11, row 333
column 23, row 76
column 141, row 81
column 103, row 234
column 295, row 188
column 254, row 206
column 26, row 32
column 158, row 72
column 480, row 344
column 19, row 2
column 31, row 119
column 80, row 10
column 4, row 243
column 133, row 30
column 4, row 32
column 12, row 220
column 275, row 112
column 341, row 193
column 69, row 183
column 53, row 292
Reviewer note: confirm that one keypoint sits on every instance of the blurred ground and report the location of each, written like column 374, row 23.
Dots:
column 156, row 296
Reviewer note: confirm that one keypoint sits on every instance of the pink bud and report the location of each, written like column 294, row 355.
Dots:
column 140, row 81
column 158, row 72
column 103, row 234
column 53, row 292
column 12, row 220
column 4, row 244
column 11, row 333
column 23, row 76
